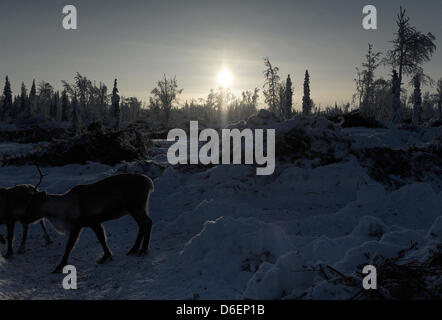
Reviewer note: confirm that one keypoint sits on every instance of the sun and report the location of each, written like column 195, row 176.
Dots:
column 224, row 78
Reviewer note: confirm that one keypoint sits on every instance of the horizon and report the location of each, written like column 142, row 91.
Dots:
column 197, row 40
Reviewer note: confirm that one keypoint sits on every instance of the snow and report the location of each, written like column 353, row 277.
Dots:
column 225, row 233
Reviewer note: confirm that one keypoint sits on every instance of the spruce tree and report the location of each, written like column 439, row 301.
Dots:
column 53, row 110
column 32, row 100
column 76, row 125
column 306, row 101
column 396, row 98
column 64, row 106
column 23, row 99
column 438, row 98
column 116, row 107
column 411, row 48
column 417, row 100
column 7, row 98
column 288, row 98
column 271, row 86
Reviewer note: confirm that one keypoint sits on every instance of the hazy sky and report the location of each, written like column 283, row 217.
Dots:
column 138, row 41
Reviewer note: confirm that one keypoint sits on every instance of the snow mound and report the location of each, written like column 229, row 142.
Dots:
column 288, row 276
column 230, row 249
column 369, row 227
column 435, row 231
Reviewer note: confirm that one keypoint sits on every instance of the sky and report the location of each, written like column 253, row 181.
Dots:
column 139, row 41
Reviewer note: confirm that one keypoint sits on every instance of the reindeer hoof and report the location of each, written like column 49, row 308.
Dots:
column 105, row 259
column 143, row 253
column 8, row 255
column 132, row 252
column 59, row 268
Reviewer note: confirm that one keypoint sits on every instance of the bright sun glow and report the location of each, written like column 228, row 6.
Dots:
column 224, row 78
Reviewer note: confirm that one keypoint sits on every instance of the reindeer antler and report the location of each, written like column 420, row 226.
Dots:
column 41, row 176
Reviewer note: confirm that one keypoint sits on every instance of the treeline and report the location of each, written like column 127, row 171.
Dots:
column 80, row 102
column 83, row 102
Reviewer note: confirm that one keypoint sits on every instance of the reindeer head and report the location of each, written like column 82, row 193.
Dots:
column 33, row 211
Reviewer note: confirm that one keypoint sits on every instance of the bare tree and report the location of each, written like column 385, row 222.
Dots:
column 167, row 93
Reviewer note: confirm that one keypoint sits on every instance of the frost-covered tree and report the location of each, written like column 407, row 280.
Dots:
column 82, row 85
column 53, row 111
column 76, row 121
column 428, row 111
column 45, row 97
column 167, row 93
column 306, row 100
column 271, row 86
column 24, row 100
column 288, row 98
column 116, row 117
column 417, row 100
column 438, row 97
column 33, row 100
column 396, row 98
column 365, row 82
column 64, row 106
column 411, row 48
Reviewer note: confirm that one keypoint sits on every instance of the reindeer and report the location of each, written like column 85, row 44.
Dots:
column 92, row 204
column 14, row 203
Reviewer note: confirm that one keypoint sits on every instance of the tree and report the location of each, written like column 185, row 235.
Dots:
column 288, row 98
column 7, row 97
column 271, row 85
column 53, row 111
column 24, row 100
column 438, row 98
column 372, row 62
column 116, row 107
column 45, row 93
column 76, row 122
column 32, row 99
column 167, row 93
column 64, row 106
column 396, row 98
column 411, row 48
column 306, row 100
column 82, row 85
column 417, row 101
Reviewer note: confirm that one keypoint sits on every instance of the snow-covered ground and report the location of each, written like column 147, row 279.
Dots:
column 225, row 233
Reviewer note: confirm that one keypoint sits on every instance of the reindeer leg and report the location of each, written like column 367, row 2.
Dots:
column 22, row 248
column 99, row 231
column 141, row 232
column 10, row 226
column 73, row 236
column 46, row 236
column 146, row 240
column 2, row 240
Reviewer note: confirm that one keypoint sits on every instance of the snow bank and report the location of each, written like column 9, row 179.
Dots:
column 230, row 249
column 289, row 275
